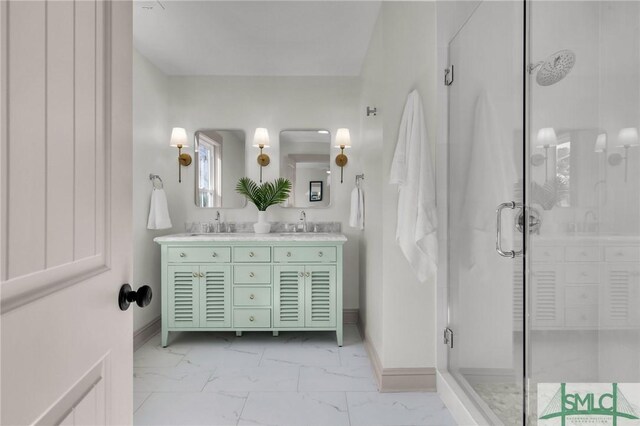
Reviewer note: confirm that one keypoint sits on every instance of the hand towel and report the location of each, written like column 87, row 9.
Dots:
column 412, row 171
column 159, row 211
column 356, row 217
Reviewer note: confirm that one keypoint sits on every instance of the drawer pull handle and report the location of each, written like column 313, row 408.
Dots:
column 308, row 274
column 252, row 297
column 202, row 274
column 619, row 253
column 214, row 254
column 183, row 255
column 288, row 254
column 252, row 319
column 584, row 274
column 302, row 274
column 195, row 274
column 583, row 253
column 320, row 254
column 251, row 254
column 251, row 274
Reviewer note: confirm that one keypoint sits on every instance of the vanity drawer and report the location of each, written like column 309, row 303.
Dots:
column 622, row 254
column 251, row 296
column 580, row 295
column 199, row 254
column 251, row 318
column 582, row 273
column 304, row 254
column 584, row 316
column 583, row 254
column 252, row 254
column 547, row 254
column 252, row 274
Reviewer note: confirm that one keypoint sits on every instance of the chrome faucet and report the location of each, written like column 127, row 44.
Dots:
column 303, row 221
column 590, row 226
column 592, row 214
column 216, row 225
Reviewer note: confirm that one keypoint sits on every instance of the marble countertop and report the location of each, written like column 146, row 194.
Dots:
column 587, row 238
column 245, row 236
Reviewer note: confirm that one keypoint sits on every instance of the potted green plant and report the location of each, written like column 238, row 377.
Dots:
column 264, row 196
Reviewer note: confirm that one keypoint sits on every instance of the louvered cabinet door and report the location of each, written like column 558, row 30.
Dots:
column 288, row 296
column 622, row 295
column 215, row 296
column 183, row 296
column 547, row 296
column 320, row 296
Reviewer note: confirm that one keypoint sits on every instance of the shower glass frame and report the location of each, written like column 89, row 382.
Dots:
column 475, row 371
column 604, row 341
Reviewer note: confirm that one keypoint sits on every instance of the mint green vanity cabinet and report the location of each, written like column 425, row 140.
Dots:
column 242, row 282
column 306, row 296
column 320, row 296
column 289, row 302
column 198, row 296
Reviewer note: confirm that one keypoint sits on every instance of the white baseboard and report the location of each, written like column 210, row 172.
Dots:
column 350, row 316
column 400, row 379
column 141, row 336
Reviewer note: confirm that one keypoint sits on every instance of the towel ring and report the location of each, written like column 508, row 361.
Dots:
column 359, row 178
column 153, row 178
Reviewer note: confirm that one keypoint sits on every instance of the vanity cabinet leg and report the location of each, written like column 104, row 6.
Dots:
column 238, row 333
column 276, row 333
column 165, row 338
column 339, row 336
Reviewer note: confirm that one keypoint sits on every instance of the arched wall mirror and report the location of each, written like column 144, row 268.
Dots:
column 305, row 159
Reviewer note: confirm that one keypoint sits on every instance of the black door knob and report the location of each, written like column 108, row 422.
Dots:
column 142, row 297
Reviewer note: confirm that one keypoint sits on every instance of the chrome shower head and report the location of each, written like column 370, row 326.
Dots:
column 554, row 68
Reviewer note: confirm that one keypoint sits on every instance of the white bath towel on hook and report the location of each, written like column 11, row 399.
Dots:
column 356, row 217
column 159, row 211
column 490, row 181
column 412, row 171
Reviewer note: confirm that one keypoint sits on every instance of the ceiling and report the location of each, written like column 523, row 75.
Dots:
column 255, row 38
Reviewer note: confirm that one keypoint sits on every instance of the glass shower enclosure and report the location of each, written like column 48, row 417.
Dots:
column 544, row 210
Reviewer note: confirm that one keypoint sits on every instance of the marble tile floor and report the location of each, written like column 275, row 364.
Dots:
column 296, row 379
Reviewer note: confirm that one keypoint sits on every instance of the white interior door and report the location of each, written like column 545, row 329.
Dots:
column 66, row 355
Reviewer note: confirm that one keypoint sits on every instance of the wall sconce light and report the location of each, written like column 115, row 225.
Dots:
column 627, row 138
column 343, row 140
column 261, row 140
column 546, row 139
column 179, row 140
column 601, row 143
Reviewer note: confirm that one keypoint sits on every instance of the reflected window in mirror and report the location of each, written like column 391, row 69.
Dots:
column 210, row 171
column 305, row 159
column 220, row 163
column 315, row 191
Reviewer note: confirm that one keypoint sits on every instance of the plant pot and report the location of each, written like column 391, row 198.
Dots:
column 262, row 226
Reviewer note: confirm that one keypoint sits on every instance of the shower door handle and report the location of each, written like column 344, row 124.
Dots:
column 511, row 205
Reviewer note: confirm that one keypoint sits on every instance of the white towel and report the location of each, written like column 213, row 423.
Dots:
column 159, row 211
column 356, row 218
column 490, row 180
column 412, row 171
